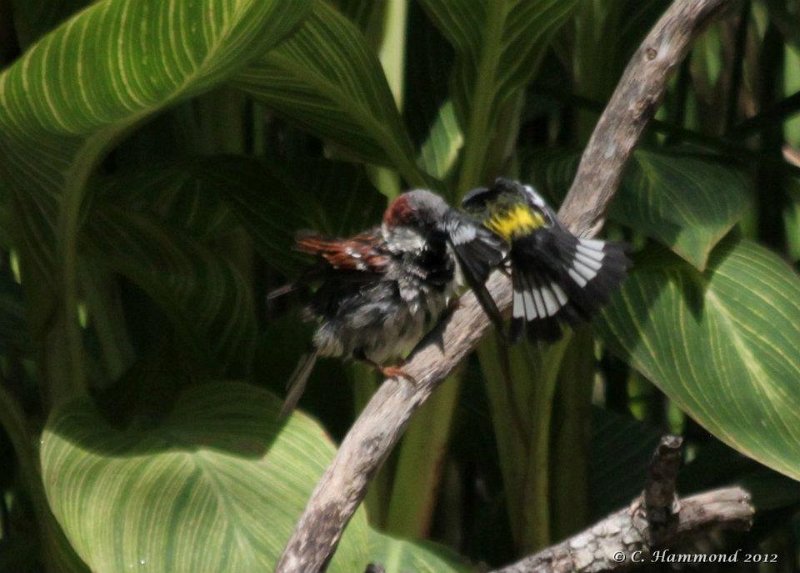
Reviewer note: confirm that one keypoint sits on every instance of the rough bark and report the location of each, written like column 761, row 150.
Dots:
column 632, row 105
column 621, row 541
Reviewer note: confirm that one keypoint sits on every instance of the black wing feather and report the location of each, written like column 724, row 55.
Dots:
column 478, row 252
column 546, row 261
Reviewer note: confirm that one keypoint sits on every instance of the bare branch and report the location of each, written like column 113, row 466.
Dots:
column 382, row 422
column 621, row 539
column 660, row 503
column 654, row 519
column 632, row 105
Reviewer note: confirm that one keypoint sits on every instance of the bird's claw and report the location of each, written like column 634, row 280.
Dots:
column 397, row 372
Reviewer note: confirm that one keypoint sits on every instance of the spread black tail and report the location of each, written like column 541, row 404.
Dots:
column 559, row 278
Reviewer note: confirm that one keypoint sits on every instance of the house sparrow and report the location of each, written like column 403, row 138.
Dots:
column 382, row 290
column 556, row 276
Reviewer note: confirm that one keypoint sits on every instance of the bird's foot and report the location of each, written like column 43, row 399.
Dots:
column 396, row 372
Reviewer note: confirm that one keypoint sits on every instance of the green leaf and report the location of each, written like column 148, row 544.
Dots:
column 222, row 187
column 215, row 486
column 551, row 170
column 420, row 464
column 722, row 344
column 606, row 36
column 203, row 294
column 440, row 151
column 400, row 556
column 344, row 200
column 499, row 44
column 521, row 385
column 429, row 61
column 619, row 456
column 327, row 79
column 75, row 93
column 686, row 202
column 368, row 15
column 506, row 38
column 717, row 465
column 273, row 202
column 185, row 194
column 51, row 545
column 791, row 218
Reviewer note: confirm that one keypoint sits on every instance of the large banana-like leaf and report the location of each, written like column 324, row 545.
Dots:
column 344, row 200
column 204, row 296
column 327, row 79
column 619, row 456
column 717, row 465
column 521, row 385
column 606, row 35
column 429, row 63
column 439, row 152
column 64, row 103
column 791, row 217
column 330, row 197
column 499, row 44
column 272, row 201
column 401, row 556
column 722, row 344
column 215, row 486
column 80, row 88
column 368, row 15
column 686, row 202
column 206, row 194
column 185, row 194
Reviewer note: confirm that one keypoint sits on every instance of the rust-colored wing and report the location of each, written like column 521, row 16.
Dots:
column 364, row 252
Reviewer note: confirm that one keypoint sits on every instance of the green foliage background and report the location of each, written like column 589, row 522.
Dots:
column 156, row 157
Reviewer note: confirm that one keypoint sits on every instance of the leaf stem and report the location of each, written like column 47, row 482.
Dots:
column 536, row 532
column 569, row 462
column 479, row 133
column 68, row 229
column 419, row 468
column 511, row 432
column 732, row 106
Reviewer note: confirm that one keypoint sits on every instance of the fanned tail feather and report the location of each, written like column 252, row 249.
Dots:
column 562, row 279
column 538, row 304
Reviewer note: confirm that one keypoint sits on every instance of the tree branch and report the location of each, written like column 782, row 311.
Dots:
column 632, row 105
column 660, row 504
column 624, row 534
column 384, row 419
column 656, row 518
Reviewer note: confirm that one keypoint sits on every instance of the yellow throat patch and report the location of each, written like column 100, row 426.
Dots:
column 517, row 221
